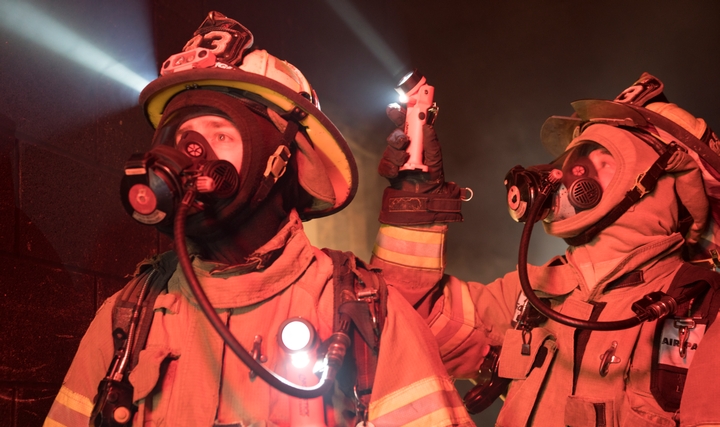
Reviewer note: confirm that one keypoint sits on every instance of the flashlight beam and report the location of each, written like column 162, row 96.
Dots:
column 37, row 27
column 367, row 35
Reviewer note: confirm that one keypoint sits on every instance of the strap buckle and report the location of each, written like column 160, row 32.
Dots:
column 641, row 188
column 370, row 296
column 277, row 163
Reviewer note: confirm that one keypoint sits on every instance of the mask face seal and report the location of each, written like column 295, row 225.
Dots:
column 587, row 169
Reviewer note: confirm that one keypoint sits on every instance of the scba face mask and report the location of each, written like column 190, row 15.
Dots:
column 587, row 170
column 154, row 181
column 581, row 174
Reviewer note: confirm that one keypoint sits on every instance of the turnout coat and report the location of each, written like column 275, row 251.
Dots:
column 187, row 377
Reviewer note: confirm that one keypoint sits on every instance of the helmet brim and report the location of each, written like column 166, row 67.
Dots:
column 558, row 131
column 326, row 139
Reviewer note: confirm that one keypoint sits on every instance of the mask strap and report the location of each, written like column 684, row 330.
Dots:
column 277, row 162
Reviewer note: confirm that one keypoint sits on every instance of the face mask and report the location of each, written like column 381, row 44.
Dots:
column 586, row 170
column 155, row 181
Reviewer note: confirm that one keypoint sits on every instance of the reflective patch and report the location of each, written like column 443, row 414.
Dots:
column 670, row 344
column 432, row 401
column 69, row 409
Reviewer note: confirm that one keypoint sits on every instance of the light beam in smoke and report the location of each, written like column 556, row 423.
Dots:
column 367, row 35
column 37, row 27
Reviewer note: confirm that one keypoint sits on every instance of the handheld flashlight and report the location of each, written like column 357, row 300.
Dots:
column 420, row 108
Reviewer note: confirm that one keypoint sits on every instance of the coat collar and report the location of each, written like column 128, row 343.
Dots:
column 289, row 252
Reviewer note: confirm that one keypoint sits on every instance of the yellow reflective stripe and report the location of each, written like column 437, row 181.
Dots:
column 414, row 247
column 408, row 395
column 52, row 423
column 430, row 234
column 75, row 401
column 457, row 319
column 456, row 414
column 434, row 263
column 468, row 321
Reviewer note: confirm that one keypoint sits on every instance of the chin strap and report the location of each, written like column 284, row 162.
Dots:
column 644, row 184
column 277, row 162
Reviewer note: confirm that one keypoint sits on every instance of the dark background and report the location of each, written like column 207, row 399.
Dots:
column 499, row 69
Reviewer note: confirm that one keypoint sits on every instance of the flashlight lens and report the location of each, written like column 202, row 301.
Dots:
column 402, row 97
column 300, row 360
column 296, row 335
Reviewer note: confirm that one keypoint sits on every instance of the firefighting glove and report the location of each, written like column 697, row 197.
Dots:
column 416, row 197
column 395, row 156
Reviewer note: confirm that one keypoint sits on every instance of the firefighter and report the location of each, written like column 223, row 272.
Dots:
column 613, row 325
column 240, row 156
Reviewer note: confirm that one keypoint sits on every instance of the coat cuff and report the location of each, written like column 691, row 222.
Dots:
column 410, row 208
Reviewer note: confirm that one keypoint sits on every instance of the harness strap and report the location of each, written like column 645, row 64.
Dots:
column 360, row 294
column 164, row 266
column 131, row 321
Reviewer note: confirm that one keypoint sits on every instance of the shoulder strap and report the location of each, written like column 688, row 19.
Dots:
column 131, row 320
column 361, row 294
column 136, row 300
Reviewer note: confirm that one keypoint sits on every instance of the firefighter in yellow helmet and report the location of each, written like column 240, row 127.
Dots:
column 606, row 334
column 248, row 324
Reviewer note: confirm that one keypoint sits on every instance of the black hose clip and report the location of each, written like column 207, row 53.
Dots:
column 654, row 306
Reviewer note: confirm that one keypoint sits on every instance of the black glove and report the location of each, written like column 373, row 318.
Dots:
column 395, row 156
column 416, row 197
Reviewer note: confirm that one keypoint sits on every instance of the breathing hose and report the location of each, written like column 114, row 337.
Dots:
column 655, row 310
column 338, row 342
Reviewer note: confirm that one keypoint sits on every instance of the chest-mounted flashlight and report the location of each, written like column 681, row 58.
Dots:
column 298, row 338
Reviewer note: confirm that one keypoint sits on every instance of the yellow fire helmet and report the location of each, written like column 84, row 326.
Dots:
column 219, row 57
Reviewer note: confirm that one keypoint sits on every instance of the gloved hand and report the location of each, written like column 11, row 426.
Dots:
column 416, row 197
column 395, row 156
